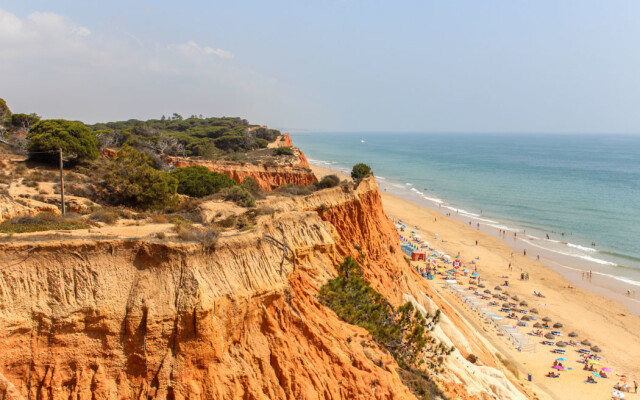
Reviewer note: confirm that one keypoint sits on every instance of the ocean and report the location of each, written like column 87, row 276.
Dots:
column 578, row 189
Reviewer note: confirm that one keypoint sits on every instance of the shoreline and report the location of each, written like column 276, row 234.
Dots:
column 570, row 266
column 592, row 315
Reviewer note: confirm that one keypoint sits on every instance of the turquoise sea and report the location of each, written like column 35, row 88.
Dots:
column 585, row 186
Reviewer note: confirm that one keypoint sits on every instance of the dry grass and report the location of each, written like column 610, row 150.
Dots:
column 205, row 236
column 43, row 222
column 509, row 365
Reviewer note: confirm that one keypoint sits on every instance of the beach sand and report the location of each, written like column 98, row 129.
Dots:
column 604, row 321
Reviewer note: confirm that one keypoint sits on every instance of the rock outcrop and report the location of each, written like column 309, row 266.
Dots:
column 149, row 319
column 10, row 208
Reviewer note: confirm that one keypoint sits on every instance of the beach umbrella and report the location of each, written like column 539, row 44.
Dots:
column 533, row 311
column 524, row 303
column 506, row 305
column 573, row 334
column 607, row 370
column 592, row 361
column 526, row 318
column 537, row 325
column 474, row 274
column 549, row 336
column 516, row 298
column 561, row 359
column 596, row 374
column 481, row 286
column 558, row 325
column 596, row 349
column 561, row 344
column 623, row 379
column 487, row 291
column 586, row 342
column 497, row 288
column 547, row 319
column 617, row 394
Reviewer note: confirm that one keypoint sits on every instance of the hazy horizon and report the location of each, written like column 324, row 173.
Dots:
column 419, row 67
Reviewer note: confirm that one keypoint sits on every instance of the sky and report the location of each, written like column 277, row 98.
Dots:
column 330, row 65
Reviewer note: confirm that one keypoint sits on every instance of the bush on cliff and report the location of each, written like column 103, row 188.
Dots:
column 134, row 183
column 402, row 331
column 72, row 137
column 328, row 181
column 283, row 151
column 198, row 181
column 359, row 172
column 239, row 195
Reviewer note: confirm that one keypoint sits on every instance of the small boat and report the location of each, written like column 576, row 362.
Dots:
column 361, row 140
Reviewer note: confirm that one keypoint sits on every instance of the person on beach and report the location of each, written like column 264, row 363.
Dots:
column 538, row 257
column 635, row 386
column 524, row 252
column 478, row 225
column 476, row 242
column 547, row 236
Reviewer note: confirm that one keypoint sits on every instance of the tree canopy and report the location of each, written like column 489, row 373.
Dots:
column 71, row 136
column 5, row 112
column 24, row 122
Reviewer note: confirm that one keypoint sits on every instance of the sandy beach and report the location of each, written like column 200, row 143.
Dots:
column 602, row 320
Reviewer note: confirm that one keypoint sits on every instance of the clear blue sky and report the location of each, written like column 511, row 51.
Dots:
column 429, row 66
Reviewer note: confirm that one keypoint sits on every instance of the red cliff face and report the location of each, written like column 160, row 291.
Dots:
column 268, row 178
column 138, row 319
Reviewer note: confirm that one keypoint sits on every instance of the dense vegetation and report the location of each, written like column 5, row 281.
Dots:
column 194, row 136
column 198, row 181
column 135, row 183
column 402, row 331
column 73, row 137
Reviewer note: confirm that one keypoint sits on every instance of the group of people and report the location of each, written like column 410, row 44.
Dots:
column 524, row 276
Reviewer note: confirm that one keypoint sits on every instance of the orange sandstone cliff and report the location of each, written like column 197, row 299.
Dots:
column 143, row 318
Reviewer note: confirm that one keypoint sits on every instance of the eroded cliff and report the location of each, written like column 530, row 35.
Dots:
column 268, row 177
column 148, row 318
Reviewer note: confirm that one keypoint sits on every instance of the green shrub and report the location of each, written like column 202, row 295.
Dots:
column 134, row 183
column 283, row 151
column 239, row 195
column 42, row 222
column 401, row 331
column 198, row 181
column 328, row 181
column 360, row 171
column 72, row 137
column 261, row 143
